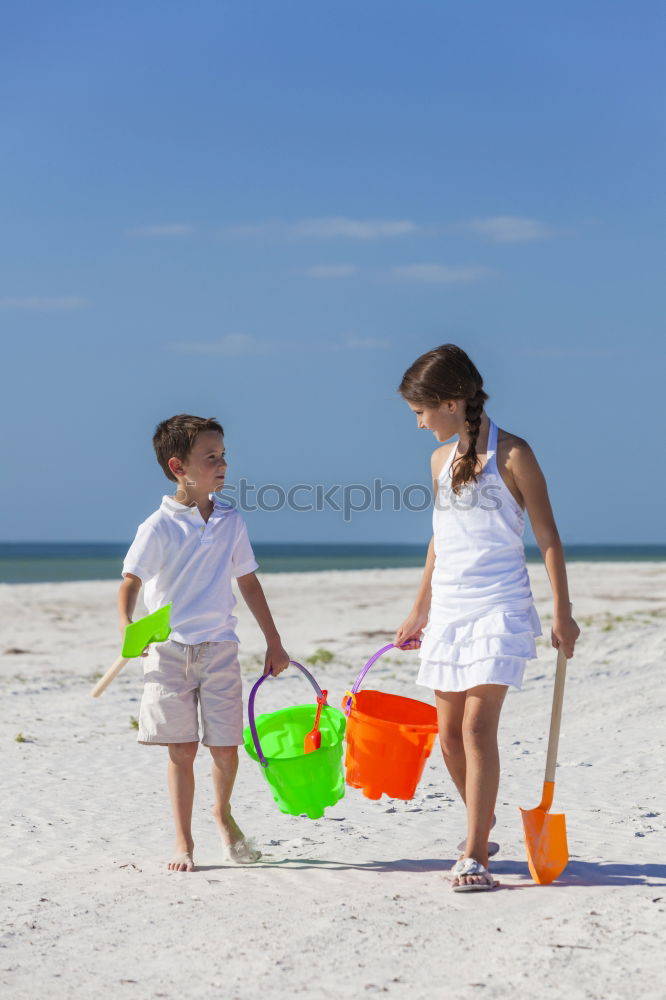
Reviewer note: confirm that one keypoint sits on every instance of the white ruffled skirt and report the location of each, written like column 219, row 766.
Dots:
column 491, row 648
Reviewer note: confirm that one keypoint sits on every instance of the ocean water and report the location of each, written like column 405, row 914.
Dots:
column 46, row 562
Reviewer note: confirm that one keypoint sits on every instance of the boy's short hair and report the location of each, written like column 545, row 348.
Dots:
column 174, row 438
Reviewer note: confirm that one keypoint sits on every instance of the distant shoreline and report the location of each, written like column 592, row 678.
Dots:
column 56, row 562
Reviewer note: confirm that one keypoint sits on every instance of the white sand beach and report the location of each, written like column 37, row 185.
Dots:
column 356, row 903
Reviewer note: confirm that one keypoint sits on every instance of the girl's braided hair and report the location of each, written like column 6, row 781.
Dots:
column 448, row 373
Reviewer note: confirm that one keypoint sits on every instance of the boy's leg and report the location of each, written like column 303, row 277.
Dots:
column 221, row 699
column 168, row 717
column 180, row 773
column 225, row 766
column 483, row 705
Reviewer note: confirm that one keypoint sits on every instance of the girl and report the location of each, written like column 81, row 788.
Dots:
column 474, row 606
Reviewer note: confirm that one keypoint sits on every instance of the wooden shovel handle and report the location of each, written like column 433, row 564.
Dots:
column 556, row 715
column 113, row 671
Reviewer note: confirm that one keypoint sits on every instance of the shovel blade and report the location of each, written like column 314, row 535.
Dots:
column 546, row 843
column 153, row 628
column 312, row 742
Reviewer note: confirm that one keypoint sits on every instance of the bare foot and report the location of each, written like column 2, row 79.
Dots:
column 237, row 848
column 242, row 852
column 182, row 861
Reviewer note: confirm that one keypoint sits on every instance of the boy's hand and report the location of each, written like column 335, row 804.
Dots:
column 277, row 658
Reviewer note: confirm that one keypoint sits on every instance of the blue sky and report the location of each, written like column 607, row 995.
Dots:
column 266, row 211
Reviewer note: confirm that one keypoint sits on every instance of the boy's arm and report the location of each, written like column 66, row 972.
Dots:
column 145, row 556
column 128, row 593
column 252, row 592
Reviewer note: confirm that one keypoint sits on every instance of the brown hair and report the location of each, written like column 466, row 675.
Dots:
column 174, row 438
column 448, row 373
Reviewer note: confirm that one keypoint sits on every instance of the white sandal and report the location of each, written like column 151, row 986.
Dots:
column 468, row 866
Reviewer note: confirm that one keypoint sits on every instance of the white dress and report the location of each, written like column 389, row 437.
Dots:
column 483, row 622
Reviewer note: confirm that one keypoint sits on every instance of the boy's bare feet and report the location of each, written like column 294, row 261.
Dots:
column 182, row 860
column 237, row 848
column 242, row 852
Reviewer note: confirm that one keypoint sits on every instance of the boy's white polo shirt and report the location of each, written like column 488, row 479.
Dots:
column 181, row 558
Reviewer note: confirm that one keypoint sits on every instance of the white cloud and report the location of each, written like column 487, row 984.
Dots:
column 365, row 344
column 355, row 229
column 439, row 273
column 38, row 303
column 326, row 228
column 331, row 271
column 572, row 352
column 169, row 230
column 355, row 344
column 508, row 229
column 238, row 345
column 233, row 345
column 258, row 229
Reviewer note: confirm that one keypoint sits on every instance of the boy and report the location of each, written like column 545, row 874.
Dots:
column 187, row 552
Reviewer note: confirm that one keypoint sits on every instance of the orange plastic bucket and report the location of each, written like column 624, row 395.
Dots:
column 389, row 739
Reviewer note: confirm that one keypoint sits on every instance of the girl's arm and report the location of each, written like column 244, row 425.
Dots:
column 417, row 619
column 253, row 594
column 532, row 484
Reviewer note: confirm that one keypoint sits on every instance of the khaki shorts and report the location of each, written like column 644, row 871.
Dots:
column 180, row 679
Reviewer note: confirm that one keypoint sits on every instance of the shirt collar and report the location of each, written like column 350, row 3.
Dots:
column 175, row 509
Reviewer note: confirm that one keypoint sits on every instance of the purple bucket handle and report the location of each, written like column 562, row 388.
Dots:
column 250, row 707
column 373, row 659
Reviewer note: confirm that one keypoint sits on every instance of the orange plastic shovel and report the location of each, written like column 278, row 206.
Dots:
column 312, row 740
column 546, row 833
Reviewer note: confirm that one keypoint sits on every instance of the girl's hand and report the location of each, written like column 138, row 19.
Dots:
column 277, row 658
column 564, row 634
column 410, row 630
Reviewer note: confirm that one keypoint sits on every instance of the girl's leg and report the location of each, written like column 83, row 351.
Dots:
column 180, row 774
column 450, row 710
column 483, row 705
column 224, row 768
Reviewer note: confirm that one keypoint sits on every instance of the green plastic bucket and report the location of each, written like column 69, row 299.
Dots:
column 301, row 783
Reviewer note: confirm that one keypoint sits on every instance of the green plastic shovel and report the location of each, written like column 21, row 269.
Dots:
column 153, row 628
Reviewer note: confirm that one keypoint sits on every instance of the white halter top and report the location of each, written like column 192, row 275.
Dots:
column 479, row 551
